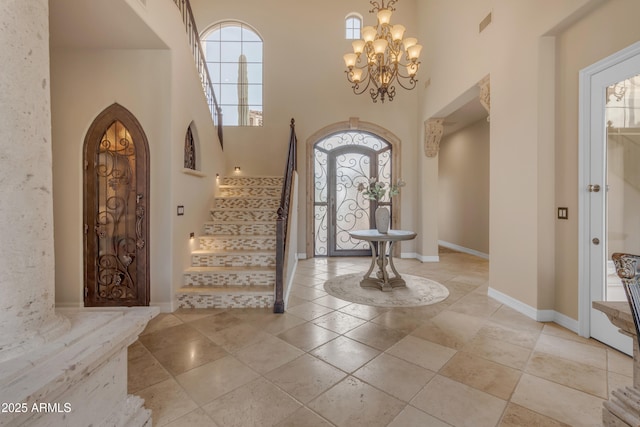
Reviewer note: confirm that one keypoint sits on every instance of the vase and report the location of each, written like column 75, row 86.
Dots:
column 382, row 219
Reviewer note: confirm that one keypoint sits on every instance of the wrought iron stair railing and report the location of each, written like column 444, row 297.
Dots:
column 193, row 37
column 284, row 219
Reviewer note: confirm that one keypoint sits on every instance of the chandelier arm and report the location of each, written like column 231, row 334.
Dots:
column 412, row 82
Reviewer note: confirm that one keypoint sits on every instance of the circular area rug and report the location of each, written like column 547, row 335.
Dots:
column 419, row 291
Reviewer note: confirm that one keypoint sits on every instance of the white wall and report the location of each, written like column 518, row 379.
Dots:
column 463, row 188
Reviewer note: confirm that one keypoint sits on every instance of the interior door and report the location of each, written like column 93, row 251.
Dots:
column 614, row 188
column 116, row 226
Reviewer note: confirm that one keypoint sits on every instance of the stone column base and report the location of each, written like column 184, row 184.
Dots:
column 622, row 409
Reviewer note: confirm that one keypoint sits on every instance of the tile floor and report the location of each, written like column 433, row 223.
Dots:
column 468, row 361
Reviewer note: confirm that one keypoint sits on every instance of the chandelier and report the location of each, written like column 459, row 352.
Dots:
column 376, row 62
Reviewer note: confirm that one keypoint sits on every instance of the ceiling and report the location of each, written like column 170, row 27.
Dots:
column 99, row 24
column 467, row 114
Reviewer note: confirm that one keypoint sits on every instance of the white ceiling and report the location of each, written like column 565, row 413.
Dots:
column 98, row 24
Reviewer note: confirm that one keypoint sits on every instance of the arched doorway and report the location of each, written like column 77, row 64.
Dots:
column 116, row 197
column 341, row 157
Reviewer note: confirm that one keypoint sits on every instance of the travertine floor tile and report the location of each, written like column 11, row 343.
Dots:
column 211, row 324
column 196, row 418
column 237, row 337
column 476, row 304
column 396, row 320
column 375, row 336
column 482, row 374
column 175, row 335
column 331, row 302
column 559, row 402
column 258, row 403
column 412, row 417
column 309, row 310
column 518, row 416
column 307, row 336
column 567, row 372
column 365, row 312
column 423, row 353
column 339, row 322
column 144, row 371
column 522, row 338
column 617, row 381
column 459, row 404
column 161, row 321
column 509, row 317
column 214, row 379
column 450, row 329
column 572, row 350
column 305, row 377
column 498, row 351
column 345, row 353
column 268, row 354
column 394, row 376
column 182, row 357
column 619, row 362
column 167, row 401
column 303, row 417
column 354, row 403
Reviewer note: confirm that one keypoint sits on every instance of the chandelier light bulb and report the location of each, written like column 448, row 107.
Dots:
column 409, row 41
column 358, row 46
column 397, row 31
column 384, row 16
column 413, row 52
column 350, row 59
column 379, row 46
column 369, row 33
column 356, row 75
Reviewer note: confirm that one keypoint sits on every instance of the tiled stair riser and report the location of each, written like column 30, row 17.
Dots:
column 233, row 260
column 240, row 229
column 250, row 192
column 251, row 181
column 247, row 203
column 228, row 243
column 243, row 215
column 237, row 278
column 225, row 301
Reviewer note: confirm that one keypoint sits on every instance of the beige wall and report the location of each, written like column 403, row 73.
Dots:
column 304, row 78
column 463, row 188
column 161, row 88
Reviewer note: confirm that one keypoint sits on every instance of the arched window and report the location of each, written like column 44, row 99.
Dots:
column 233, row 52
column 189, row 150
column 353, row 25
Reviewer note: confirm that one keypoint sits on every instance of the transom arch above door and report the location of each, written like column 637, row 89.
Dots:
column 339, row 157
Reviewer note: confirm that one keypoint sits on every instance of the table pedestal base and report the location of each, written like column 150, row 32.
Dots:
column 382, row 281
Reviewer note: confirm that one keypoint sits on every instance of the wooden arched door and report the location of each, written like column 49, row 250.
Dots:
column 116, row 200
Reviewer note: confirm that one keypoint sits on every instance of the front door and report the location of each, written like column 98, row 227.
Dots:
column 341, row 162
column 613, row 187
column 116, row 200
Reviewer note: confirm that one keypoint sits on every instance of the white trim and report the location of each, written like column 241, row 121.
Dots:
column 421, row 258
column 533, row 313
column 463, row 249
column 302, row 255
column 193, row 172
column 290, row 285
column 165, row 307
column 65, row 305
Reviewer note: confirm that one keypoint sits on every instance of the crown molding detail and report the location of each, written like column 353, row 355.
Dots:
column 485, row 94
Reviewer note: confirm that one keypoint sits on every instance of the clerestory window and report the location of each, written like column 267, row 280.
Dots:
column 233, row 52
column 353, row 25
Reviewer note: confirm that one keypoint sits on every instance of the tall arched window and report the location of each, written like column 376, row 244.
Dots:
column 353, row 25
column 233, row 51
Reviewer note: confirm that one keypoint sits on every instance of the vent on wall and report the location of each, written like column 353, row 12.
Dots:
column 485, row 22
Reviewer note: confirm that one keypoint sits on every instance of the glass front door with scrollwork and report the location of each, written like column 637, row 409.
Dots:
column 342, row 161
column 116, row 223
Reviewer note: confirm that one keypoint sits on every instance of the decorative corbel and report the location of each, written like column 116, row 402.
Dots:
column 485, row 95
column 433, row 131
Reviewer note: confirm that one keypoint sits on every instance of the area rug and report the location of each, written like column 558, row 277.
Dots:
column 419, row 291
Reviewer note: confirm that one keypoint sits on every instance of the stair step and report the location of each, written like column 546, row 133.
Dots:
column 253, row 191
column 238, row 228
column 225, row 297
column 247, row 203
column 235, row 243
column 233, row 258
column 230, row 276
column 251, row 215
column 252, row 180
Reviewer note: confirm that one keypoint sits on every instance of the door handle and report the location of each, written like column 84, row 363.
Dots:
column 596, row 241
column 593, row 188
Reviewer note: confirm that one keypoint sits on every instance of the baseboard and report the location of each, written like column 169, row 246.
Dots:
column 289, row 285
column 302, row 255
column 165, row 307
column 425, row 258
column 533, row 313
column 69, row 305
column 459, row 248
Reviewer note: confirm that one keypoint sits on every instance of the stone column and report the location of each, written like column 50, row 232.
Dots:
column 433, row 131
column 27, row 286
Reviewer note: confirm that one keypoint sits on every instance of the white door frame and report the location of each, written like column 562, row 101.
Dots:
column 584, row 143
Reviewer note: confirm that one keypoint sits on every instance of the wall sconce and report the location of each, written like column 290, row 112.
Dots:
column 192, row 235
column 217, row 176
column 237, row 168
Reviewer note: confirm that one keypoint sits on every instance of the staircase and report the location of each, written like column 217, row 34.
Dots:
column 235, row 265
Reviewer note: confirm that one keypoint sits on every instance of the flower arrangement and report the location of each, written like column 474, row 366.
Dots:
column 376, row 190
